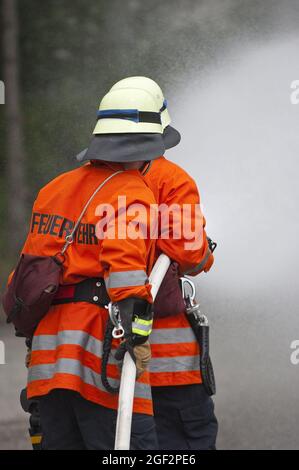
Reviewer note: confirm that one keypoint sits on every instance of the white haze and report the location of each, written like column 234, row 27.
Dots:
column 240, row 142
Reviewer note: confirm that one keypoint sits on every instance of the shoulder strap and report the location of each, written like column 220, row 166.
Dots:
column 70, row 238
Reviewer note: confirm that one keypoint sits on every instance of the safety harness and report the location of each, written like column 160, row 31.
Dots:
column 91, row 290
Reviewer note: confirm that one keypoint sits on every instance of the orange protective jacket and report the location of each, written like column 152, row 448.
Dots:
column 67, row 344
column 175, row 351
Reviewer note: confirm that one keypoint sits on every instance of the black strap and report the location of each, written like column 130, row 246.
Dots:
column 105, row 357
column 201, row 333
column 90, row 290
column 138, row 116
column 148, row 116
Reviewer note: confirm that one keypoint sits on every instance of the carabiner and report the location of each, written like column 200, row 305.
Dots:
column 187, row 282
column 118, row 332
column 114, row 314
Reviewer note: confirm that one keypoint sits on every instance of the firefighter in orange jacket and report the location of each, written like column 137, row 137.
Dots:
column 183, row 411
column 66, row 360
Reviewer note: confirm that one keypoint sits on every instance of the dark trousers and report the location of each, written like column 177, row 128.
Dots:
column 184, row 417
column 70, row 422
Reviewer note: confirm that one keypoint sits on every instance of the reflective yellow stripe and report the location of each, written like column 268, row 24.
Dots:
column 36, row 439
column 143, row 322
column 137, row 331
column 142, row 327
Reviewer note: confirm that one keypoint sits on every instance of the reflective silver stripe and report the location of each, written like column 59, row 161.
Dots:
column 201, row 265
column 143, row 390
column 76, row 337
column 172, row 335
column 139, row 326
column 74, row 367
column 126, row 279
column 174, row 364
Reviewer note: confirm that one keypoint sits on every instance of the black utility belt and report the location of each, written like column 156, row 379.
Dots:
column 92, row 290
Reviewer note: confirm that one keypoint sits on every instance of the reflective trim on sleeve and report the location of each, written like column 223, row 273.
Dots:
column 174, row 364
column 141, row 330
column 142, row 321
column 172, row 335
column 87, row 375
column 126, row 279
column 138, row 331
column 201, row 265
column 142, row 327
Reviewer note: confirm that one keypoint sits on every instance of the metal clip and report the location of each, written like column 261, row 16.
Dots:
column 114, row 314
column 185, row 283
column 192, row 308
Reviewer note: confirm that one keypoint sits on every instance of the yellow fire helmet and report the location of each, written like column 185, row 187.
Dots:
column 170, row 135
column 147, row 84
column 128, row 110
column 132, row 123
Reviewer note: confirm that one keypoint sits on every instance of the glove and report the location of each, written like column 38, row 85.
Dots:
column 141, row 355
column 136, row 318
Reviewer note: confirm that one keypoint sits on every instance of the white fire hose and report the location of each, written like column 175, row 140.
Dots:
column 128, row 375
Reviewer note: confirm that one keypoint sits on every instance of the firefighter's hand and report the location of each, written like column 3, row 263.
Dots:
column 140, row 353
column 28, row 358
